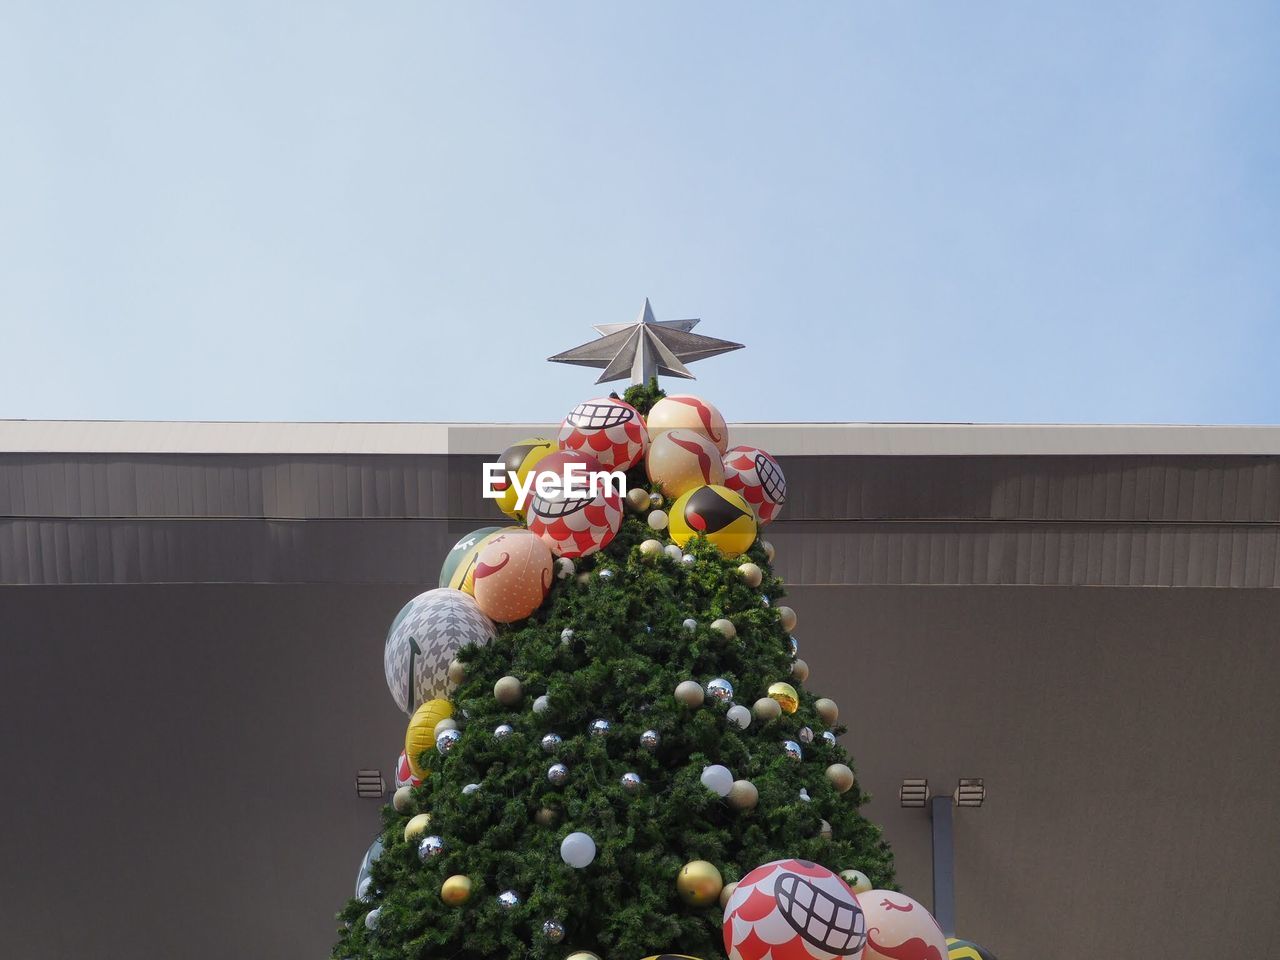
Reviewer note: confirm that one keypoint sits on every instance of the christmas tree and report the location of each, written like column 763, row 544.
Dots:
column 611, row 725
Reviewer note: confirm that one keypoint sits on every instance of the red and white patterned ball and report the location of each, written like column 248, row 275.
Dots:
column 793, row 910
column 404, row 776
column 758, row 477
column 574, row 523
column 608, row 429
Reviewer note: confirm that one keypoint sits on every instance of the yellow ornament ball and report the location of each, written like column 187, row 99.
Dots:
column 456, row 890
column 699, row 883
column 717, row 513
column 786, row 696
column 858, row 881
column 417, row 827
column 519, row 459
column 420, row 735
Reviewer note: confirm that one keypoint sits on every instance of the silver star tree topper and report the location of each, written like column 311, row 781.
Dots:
column 645, row 349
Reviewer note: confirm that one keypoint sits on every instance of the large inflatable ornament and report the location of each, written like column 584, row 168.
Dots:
column 426, row 635
column 459, row 567
column 966, row 950
column 680, row 460
column 898, row 928
column 793, row 910
column 404, row 776
column 513, row 575
column 608, row 429
column 366, row 864
column 684, row 412
column 756, row 475
column 518, row 460
column 420, row 735
column 574, row 522
column 716, row 513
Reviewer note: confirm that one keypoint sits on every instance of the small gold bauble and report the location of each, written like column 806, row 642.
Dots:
column 786, row 696
column 727, row 892
column 743, row 795
column 456, row 890
column 690, row 693
column 752, row 574
column 841, row 777
column 546, row 817
column 827, row 710
column 699, row 883
column 417, row 827
column 457, row 672
column 768, row 549
column 799, row 671
column 725, row 628
column 858, row 881
column 766, row 708
column 402, row 799
column 508, row 691
column 788, row 618
column 638, row 499
column 650, row 547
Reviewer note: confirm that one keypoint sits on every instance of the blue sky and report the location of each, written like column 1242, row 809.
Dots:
column 397, row 211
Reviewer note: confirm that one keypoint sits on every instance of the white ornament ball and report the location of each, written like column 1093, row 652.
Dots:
column 767, row 708
column 673, row 552
column 650, row 548
column 688, row 559
column 469, row 789
column 718, row 779
column 751, row 573
column 448, row 723
column 541, row 704
column 578, row 850
column 690, row 624
column 564, row 568
column 725, row 628
column 658, row 519
column 690, row 693
column 566, row 635
column 739, row 716
column 508, row 691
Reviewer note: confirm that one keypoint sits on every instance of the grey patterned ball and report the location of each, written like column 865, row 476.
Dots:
column 424, row 639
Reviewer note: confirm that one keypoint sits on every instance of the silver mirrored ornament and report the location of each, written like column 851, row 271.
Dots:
column 720, row 689
column 430, row 846
column 764, row 601
column 553, row 930
column 631, row 782
column 470, row 788
column 830, row 737
column 691, row 624
column 541, row 704
column 447, row 740
column 371, row 919
column 503, row 730
column 687, row 559
column 806, row 735
column 795, row 647
column 550, row 741
column 600, row 728
column 606, row 574
column 566, row 635
column 558, row 774
column 508, row 899
column 792, row 750
column 655, row 499
column 804, row 795
column 650, row 740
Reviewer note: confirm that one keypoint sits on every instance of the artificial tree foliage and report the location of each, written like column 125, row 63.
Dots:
column 628, row 651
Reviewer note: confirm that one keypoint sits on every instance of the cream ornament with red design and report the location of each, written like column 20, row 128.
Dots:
column 793, row 910
column 898, row 928
column 404, row 775
column 756, row 475
column 608, row 429
column 574, row 523
column 680, row 460
column 513, row 574
column 685, row 412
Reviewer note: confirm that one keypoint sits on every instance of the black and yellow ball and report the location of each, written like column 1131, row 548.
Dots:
column 519, row 459
column 964, row 950
column 717, row 513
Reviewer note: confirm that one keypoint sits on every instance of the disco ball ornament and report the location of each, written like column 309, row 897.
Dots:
column 650, row 740
column 898, row 925
column 469, row 789
column 430, row 847
column 551, row 742
column 518, row 461
column 566, row 635
column 456, row 890
column 608, row 429
column 509, row 900
column 599, row 728
column 362, row 891
column 720, row 689
column 786, row 696
column 690, row 624
column 794, row 644
column 552, row 931
column 575, row 521
column 502, row 731
column 459, row 567
column 764, row 601
column 739, row 716
column 716, row 513
column 858, row 881
column 699, row 883
column 792, row 750
column 605, row 574
column 673, row 552
column 363, row 880
column 631, row 782
column 958, row 949
column 513, row 576
column 680, row 460
column 447, row 740
column 798, row 910
column 756, row 475
column 558, row 774
column 830, row 737
column 679, row 411
column 656, row 499
column 425, row 638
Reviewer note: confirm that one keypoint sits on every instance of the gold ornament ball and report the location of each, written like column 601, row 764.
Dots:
column 725, row 628
column 638, row 499
column 766, row 708
column 727, row 892
column 841, row 777
column 402, row 799
column 456, row 890
column 546, row 817
column 788, row 618
column 786, row 696
column 690, row 693
column 827, row 710
column 768, row 549
column 858, row 881
column 508, row 691
column 457, row 672
column 743, row 795
column 752, row 574
column 699, row 883
column 799, row 671
column 651, row 548
column 417, row 827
